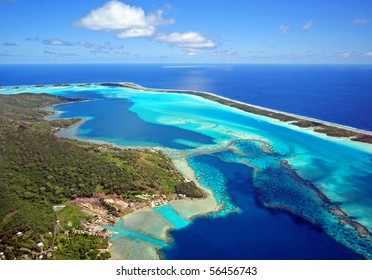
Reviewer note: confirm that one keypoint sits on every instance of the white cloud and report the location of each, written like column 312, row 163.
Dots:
column 130, row 21
column 361, row 21
column 345, row 54
column 368, row 54
column 137, row 32
column 89, row 45
column 191, row 40
column 57, row 42
column 308, row 25
column 284, row 29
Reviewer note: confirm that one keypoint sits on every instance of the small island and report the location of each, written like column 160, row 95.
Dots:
column 323, row 127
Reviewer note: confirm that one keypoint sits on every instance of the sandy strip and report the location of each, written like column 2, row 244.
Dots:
column 345, row 127
column 190, row 208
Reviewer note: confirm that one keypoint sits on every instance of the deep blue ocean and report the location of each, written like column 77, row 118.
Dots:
column 335, row 93
column 255, row 232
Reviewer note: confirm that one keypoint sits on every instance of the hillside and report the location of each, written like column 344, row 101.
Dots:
column 39, row 170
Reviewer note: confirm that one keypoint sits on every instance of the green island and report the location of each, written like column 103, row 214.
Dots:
column 57, row 194
column 330, row 129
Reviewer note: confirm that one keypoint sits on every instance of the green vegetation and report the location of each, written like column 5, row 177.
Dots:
column 244, row 107
column 334, row 131
column 363, row 138
column 189, row 189
column 306, row 123
column 74, row 246
column 71, row 217
column 39, row 170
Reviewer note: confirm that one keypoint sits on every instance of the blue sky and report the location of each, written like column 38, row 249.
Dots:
column 179, row 31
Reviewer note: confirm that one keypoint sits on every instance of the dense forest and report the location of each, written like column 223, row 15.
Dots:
column 39, row 170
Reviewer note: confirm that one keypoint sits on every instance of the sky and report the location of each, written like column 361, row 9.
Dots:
column 180, row 31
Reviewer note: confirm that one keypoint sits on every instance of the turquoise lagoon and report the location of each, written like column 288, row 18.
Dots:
column 283, row 171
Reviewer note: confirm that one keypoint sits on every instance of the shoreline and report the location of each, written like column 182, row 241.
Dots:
column 200, row 93
column 313, row 122
column 336, row 212
column 189, row 208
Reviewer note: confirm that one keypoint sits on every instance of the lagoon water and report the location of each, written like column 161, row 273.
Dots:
column 241, row 157
column 335, row 93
